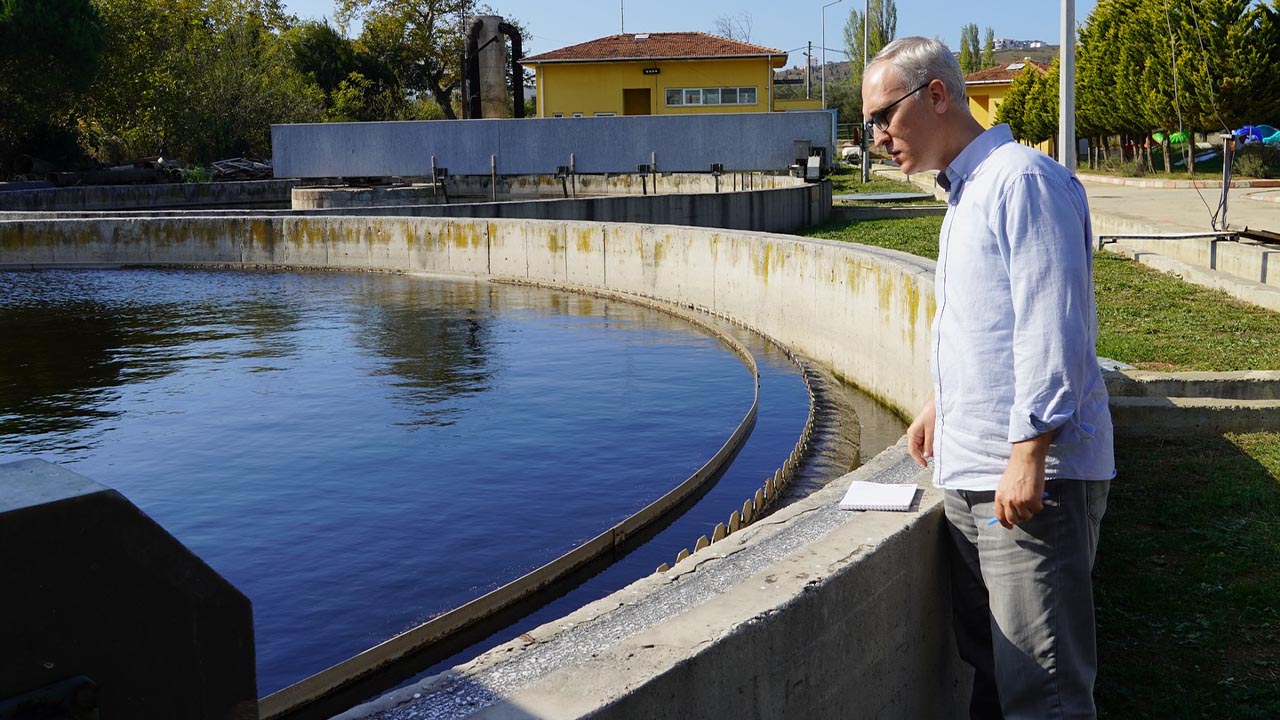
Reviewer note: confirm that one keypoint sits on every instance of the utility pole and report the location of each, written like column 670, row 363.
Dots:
column 808, row 72
column 866, row 35
column 824, row 51
column 622, row 15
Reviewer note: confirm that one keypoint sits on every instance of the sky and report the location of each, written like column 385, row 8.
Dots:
column 783, row 24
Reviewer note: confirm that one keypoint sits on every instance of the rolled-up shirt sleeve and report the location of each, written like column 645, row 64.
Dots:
column 1044, row 226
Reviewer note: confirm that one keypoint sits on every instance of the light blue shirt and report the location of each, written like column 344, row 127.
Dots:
column 1015, row 334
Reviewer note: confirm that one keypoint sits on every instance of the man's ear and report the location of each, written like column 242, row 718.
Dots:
column 939, row 98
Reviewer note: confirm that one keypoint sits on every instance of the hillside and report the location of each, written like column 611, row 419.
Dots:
column 838, row 71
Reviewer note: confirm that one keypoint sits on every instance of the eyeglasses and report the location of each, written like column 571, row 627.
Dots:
column 880, row 117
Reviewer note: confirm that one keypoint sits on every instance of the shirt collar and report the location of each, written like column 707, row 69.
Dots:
column 972, row 156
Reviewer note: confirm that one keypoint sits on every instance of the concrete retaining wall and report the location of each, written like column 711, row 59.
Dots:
column 253, row 194
column 770, row 204
column 682, row 143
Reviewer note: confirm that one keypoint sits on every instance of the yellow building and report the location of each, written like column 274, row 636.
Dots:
column 988, row 88
column 656, row 74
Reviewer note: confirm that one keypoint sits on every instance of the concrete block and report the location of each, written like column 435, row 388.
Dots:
column 96, row 588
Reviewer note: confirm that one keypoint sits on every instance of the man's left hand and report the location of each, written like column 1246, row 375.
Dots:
column 1021, row 492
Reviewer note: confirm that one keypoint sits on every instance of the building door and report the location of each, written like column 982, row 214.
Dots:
column 635, row 101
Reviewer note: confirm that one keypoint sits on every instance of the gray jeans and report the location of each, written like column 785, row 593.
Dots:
column 1023, row 602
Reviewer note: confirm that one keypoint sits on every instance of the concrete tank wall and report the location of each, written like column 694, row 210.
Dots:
column 249, row 194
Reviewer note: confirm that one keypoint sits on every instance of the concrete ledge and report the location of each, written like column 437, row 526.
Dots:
column 1243, row 385
column 251, row 194
column 1173, row 416
column 814, row 612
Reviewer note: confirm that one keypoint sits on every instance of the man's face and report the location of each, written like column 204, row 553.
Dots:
column 901, row 118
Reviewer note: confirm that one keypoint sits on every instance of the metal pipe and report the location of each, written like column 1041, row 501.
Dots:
column 1067, row 89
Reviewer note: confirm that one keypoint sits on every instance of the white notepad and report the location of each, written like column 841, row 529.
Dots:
column 877, row 496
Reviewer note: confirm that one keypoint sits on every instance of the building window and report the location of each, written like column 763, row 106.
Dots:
column 605, row 114
column 577, row 114
column 711, row 96
column 557, row 115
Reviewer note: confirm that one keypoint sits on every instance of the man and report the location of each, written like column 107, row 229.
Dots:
column 1017, row 427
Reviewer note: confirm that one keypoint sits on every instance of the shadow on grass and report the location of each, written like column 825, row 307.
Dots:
column 1188, row 587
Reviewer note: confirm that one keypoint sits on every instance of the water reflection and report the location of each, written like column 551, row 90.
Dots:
column 433, row 339
column 358, row 452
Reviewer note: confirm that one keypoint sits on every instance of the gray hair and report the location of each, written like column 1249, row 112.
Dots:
column 917, row 60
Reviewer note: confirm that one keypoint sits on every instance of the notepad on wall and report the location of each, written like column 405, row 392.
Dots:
column 864, row 495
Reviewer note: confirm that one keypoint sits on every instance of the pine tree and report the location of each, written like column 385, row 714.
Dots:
column 968, row 48
column 988, row 50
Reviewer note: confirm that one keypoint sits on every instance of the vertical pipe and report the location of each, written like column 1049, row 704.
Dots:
column 1067, row 88
column 493, row 177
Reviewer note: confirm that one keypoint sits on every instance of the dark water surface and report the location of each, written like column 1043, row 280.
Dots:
column 358, row 453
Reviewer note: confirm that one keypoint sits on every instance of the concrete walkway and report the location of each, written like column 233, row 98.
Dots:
column 1185, row 210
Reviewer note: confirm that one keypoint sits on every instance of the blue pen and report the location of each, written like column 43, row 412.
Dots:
column 993, row 520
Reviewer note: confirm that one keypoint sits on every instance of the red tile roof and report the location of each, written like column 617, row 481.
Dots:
column 655, row 46
column 1004, row 73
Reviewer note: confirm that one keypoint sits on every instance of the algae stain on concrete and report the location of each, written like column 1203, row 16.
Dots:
column 584, row 240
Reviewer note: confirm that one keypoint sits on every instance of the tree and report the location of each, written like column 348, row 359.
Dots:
column 420, row 42
column 322, row 53
column 988, row 59
column 49, row 53
column 1014, row 108
column 882, row 29
column 1040, row 114
column 969, row 53
column 194, row 79
column 734, row 27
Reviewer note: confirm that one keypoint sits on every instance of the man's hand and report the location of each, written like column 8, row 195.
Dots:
column 920, row 433
column 1021, row 492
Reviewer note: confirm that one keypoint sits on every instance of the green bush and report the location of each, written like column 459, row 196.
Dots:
column 196, row 174
column 1256, row 160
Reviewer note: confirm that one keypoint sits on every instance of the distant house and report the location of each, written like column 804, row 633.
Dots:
column 988, row 88
column 656, row 74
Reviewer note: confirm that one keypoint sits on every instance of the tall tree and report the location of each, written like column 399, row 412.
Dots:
column 421, row 42
column 1014, row 108
column 969, row 53
column 194, row 79
column 735, row 27
column 49, row 55
column 988, row 59
column 882, row 29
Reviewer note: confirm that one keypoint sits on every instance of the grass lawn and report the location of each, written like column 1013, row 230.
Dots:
column 847, row 179
column 1187, row 583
